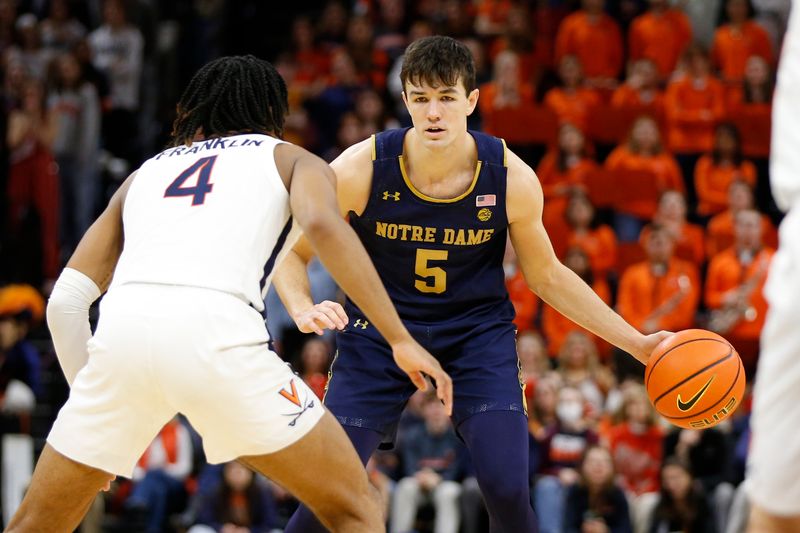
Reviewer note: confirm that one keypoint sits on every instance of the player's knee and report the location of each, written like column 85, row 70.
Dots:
column 507, row 491
column 361, row 512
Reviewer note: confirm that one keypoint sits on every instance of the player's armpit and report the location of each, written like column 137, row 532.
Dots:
column 100, row 247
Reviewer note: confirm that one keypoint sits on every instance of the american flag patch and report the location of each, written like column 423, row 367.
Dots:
column 485, row 200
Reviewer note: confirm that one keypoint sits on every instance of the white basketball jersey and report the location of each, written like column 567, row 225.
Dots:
column 214, row 215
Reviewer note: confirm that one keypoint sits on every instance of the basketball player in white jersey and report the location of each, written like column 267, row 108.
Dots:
column 773, row 474
column 191, row 240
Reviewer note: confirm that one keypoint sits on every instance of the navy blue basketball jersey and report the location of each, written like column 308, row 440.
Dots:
column 439, row 259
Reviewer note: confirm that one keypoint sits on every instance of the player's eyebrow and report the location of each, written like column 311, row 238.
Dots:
column 445, row 90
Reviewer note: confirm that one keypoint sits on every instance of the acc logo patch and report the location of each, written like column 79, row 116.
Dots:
column 484, row 214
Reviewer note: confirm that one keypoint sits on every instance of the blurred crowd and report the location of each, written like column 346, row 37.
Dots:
column 647, row 122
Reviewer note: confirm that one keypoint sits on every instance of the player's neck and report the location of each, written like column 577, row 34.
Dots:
column 439, row 163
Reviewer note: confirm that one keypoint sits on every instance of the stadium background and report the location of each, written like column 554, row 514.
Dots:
column 88, row 93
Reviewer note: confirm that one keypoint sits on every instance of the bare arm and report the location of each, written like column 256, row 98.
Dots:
column 552, row 281
column 313, row 201
column 87, row 275
column 99, row 250
column 353, row 170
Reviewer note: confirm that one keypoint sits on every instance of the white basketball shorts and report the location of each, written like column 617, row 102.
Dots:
column 774, row 459
column 161, row 350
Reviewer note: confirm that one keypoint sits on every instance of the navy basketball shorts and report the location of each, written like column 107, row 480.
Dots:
column 367, row 389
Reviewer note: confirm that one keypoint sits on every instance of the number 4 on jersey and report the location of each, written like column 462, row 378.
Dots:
column 197, row 192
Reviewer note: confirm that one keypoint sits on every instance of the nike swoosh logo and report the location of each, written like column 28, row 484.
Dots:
column 685, row 406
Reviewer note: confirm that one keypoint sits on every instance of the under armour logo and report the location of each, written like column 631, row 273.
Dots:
column 393, row 195
column 361, row 323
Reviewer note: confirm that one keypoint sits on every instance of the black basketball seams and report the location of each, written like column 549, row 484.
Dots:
column 660, row 357
column 735, row 379
column 707, row 367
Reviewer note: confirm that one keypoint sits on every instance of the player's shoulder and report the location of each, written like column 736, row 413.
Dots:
column 362, row 152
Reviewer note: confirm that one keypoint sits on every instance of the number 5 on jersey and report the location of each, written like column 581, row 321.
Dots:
column 198, row 191
column 422, row 268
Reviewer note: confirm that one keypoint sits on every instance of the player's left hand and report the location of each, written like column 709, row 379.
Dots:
column 649, row 344
column 324, row 315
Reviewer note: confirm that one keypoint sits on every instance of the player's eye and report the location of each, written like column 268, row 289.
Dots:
column 420, row 99
column 448, row 98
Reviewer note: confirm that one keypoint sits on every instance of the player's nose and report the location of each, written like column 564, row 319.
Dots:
column 434, row 110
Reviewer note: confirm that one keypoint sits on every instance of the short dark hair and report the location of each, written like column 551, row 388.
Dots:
column 233, row 94
column 438, row 60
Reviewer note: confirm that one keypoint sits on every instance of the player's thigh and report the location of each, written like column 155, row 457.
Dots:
column 365, row 387
column 485, row 371
column 59, row 494
column 322, row 470
column 775, row 450
column 761, row 521
column 115, row 407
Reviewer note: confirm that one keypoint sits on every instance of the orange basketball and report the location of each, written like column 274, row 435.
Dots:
column 695, row 378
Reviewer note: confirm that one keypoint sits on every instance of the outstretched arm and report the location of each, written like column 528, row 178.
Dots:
column 552, row 281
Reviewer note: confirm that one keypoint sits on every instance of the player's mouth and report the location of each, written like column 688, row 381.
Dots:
column 434, row 131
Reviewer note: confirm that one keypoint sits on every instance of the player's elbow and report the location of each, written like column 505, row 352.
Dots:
column 543, row 279
column 321, row 225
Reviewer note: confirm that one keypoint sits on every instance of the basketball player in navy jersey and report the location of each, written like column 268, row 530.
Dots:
column 191, row 239
column 433, row 205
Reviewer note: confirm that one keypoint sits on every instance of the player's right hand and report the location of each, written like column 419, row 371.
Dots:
column 324, row 315
column 415, row 361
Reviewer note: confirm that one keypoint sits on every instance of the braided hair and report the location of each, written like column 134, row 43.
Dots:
column 229, row 95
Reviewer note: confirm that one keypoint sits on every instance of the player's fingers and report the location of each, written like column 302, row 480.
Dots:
column 333, row 316
column 418, row 380
column 323, row 320
column 309, row 326
column 444, row 389
column 339, row 311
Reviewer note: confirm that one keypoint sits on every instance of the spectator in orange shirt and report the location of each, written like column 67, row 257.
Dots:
column 719, row 233
column 660, row 34
column 756, row 87
column 752, row 101
column 643, row 151
column 715, row 171
column 596, row 40
column 519, row 36
column 315, row 361
column 640, row 90
column 597, row 240
column 506, row 88
column 738, row 38
column 689, row 238
column 693, row 105
column 310, row 60
column 371, row 63
column 636, row 443
column 734, row 287
column 556, row 326
column 572, row 101
column 661, row 292
column 561, row 171
column 526, row 303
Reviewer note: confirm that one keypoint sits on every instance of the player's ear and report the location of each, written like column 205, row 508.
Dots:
column 472, row 101
column 405, row 98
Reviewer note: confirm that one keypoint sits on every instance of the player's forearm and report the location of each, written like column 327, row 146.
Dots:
column 339, row 249
column 292, row 284
column 573, row 298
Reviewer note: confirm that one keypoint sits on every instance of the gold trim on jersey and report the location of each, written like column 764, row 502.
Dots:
column 374, row 147
column 424, row 196
column 505, row 153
